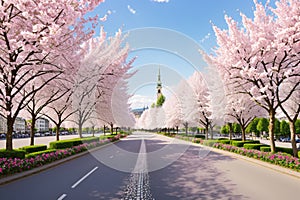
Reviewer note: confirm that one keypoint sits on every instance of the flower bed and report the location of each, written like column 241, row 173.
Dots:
column 281, row 159
column 10, row 166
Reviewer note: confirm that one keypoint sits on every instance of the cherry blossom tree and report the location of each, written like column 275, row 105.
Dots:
column 103, row 67
column 34, row 35
column 257, row 58
column 200, row 103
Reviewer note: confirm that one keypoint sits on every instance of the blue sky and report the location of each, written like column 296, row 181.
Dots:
column 190, row 20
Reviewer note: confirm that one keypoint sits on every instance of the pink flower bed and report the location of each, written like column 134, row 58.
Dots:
column 14, row 165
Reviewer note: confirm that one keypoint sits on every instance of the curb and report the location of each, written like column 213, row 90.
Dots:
column 20, row 175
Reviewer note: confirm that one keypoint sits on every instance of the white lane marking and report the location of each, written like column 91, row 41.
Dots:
column 62, row 197
column 111, row 156
column 85, row 176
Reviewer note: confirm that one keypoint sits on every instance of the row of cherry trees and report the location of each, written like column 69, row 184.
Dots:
column 259, row 60
column 254, row 72
column 51, row 65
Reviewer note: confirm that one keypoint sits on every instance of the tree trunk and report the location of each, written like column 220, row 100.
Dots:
column 57, row 132
column 32, row 132
column 104, row 127
column 80, row 130
column 206, row 132
column 10, row 128
column 93, row 131
column 111, row 128
column 271, row 129
column 293, row 139
column 177, row 129
column 230, row 131
column 243, row 133
column 211, row 134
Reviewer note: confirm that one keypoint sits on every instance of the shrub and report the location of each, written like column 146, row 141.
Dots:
column 231, row 141
column 241, row 143
column 61, row 144
column 253, row 146
column 224, row 141
column 72, row 142
column 200, row 136
column 284, row 150
column 12, row 154
column 222, row 138
column 34, row 154
column 35, row 148
column 265, row 148
column 209, row 142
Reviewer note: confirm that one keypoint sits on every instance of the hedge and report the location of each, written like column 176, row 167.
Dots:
column 253, row 146
column 224, row 141
column 200, row 136
column 16, row 153
column 72, row 142
column 241, row 143
column 231, row 141
column 209, row 142
column 61, row 144
column 35, row 148
column 34, row 154
column 278, row 149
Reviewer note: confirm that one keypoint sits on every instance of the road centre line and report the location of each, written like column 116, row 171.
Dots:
column 62, row 197
column 84, row 177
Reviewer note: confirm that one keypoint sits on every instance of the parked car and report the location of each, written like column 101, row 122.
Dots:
column 37, row 135
column 287, row 139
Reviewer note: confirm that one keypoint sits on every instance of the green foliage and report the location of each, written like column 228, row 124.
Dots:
column 263, row 125
column 35, row 148
column 277, row 127
column 34, row 154
column 284, row 128
column 253, row 146
column 160, row 101
column 224, row 129
column 252, row 127
column 16, row 153
column 297, row 126
column 236, row 128
column 209, row 142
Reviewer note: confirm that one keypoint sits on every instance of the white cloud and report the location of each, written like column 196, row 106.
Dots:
column 131, row 9
column 139, row 101
column 161, row 1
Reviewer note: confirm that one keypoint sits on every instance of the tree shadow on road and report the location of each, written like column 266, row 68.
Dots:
column 191, row 177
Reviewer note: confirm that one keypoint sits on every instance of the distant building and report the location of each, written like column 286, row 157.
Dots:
column 42, row 125
column 138, row 111
column 159, row 85
column 20, row 125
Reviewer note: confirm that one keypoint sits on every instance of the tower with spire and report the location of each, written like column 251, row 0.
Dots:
column 159, row 85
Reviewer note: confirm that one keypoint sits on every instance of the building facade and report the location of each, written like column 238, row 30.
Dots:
column 20, row 125
column 42, row 125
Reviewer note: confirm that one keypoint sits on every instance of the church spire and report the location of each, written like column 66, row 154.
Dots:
column 159, row 84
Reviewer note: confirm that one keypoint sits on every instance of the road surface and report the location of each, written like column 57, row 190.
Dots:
column 150, row 166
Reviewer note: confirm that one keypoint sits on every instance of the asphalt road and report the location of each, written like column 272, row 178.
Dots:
column 148, row 166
